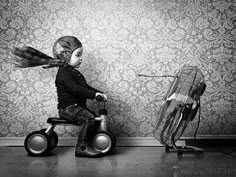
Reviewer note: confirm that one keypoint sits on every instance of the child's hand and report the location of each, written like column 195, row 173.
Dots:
column 104, row 96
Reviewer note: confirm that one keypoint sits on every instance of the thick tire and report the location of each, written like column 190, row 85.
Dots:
column 113, row 140
column 104, row 141
column 53, row 139
column 37, row 143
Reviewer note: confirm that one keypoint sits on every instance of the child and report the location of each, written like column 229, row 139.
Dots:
column 72, row 88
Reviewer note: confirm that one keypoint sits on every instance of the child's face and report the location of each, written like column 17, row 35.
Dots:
column 76, row 58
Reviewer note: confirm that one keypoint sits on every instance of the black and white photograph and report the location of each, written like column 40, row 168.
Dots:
column 117, row 88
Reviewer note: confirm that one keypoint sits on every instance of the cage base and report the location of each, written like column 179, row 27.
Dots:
column 184, row 150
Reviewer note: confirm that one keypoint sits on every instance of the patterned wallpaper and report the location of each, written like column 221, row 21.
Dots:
column 121, row 38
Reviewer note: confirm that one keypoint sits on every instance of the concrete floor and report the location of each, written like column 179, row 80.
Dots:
column 125, row 162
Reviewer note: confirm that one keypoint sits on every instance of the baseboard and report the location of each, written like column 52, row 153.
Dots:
column 135, row 141
column 211, row 137
column 71, row 141
column 211, row 142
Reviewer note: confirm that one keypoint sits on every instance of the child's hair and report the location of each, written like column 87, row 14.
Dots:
column 62, row 51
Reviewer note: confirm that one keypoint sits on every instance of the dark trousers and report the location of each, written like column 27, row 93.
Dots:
column 83, row 117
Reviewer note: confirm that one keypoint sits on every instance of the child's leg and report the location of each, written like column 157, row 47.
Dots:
column 83, row 146
column 86, row 119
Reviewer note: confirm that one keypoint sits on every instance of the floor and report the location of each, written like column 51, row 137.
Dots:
column 125, row 162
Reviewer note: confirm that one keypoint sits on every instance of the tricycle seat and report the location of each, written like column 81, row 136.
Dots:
column 57, row 120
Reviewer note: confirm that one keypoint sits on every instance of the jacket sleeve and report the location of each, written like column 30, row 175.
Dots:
column 77, row 90
column 91, row 88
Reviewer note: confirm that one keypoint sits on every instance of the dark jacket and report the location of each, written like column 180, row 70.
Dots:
column 72, row 88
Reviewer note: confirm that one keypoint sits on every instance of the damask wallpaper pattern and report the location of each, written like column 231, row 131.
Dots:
column 121, row 38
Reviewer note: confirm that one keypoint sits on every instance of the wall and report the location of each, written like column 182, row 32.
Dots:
column 121, row 38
